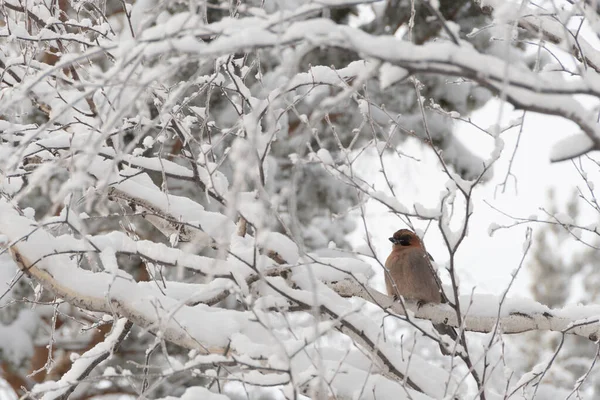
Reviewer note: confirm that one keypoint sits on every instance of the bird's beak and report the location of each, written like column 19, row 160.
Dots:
column 393, row 240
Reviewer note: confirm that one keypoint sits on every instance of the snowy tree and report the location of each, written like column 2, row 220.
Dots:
column 178, row 181
column 564, row 272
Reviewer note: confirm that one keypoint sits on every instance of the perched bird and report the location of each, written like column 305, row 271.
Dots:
column 410, row 275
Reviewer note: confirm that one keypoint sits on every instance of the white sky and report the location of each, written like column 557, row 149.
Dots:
column 483, row 262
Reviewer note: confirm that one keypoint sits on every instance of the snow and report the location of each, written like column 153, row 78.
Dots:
column 250, row 207
column 149, row 196
column 109, row 260
column 17, row 338
column 138, row 11
column 493, row 228
column 280, row 244
column 251, row 37
column 429, row 378
column 396, row 206
column 326, row 75
column 148, row 142
column 204, row 243
column 52, row 390
column 332, row 269
column 100, row 291
column 390, row 202
column 530, row 89
column 197, row 392
column 325, row 157
column 158, row 252
column 390, row 74
column 485, row 305
column 571, row 147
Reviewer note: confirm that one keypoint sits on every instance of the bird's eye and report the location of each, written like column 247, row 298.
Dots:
column 404, row 240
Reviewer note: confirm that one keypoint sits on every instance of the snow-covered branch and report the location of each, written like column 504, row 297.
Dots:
column 481, row 313
column 525, row 89
column 85, row 363
column 197, row 174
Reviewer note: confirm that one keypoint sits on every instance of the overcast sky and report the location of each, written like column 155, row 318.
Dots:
column 484, row 262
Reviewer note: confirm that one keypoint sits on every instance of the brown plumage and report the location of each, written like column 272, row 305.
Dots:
column 410, row 275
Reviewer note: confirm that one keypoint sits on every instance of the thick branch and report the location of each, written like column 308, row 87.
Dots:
column 521, row 316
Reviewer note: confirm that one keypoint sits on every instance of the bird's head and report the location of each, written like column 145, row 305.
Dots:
column 404, row 237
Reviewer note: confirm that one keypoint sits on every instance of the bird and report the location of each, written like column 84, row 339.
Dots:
column 409, row 274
